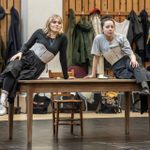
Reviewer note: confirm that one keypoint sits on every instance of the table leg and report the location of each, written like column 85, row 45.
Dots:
column 11, row 115
column 127, row 112
column 29, row 116
column 149, row 110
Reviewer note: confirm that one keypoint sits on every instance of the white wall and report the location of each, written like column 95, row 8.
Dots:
column 34, row 14
column 24, row 20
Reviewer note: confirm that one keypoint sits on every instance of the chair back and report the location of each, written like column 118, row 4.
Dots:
column 59, row 75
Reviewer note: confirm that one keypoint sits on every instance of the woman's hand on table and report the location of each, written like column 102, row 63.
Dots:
column 89, row 76
column 16, row 56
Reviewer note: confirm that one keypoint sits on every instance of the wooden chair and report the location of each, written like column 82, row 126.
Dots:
column 57, row 109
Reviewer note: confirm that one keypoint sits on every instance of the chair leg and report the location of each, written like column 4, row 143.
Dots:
column 53, row 111
column 81, row 118
column 11, row 114
column 57, row 118
column 72, row 117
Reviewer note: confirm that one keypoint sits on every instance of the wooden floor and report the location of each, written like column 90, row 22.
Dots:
column 86, row 115
column 101, row 132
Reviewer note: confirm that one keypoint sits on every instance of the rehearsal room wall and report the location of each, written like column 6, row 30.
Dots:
column 34, row 14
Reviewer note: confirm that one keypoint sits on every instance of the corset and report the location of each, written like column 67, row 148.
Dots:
column 113, row 55
column 41, row 51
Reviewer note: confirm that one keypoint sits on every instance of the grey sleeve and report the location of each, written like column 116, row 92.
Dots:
column 125, row 46
column 96, row 47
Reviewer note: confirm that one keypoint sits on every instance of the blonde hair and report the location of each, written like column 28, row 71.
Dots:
column 47, row 28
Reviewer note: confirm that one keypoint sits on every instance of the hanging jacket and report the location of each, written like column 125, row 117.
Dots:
column 148, row 41
column 84, row 35
column 14, row 37
column 145, row 26
column 70, row 31
column 95, row 19
column 2, row 49
column 135, row 33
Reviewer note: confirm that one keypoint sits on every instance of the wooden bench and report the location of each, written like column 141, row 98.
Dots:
column 73, row 85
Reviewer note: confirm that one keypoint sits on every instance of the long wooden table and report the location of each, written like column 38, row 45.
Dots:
column 73, row 85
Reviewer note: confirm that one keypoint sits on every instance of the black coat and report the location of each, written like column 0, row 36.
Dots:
column 135, row 33
column 14, row 38
column 2, row 49
column 145, row 25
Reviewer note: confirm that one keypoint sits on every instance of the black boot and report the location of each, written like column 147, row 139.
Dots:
column 145, row 88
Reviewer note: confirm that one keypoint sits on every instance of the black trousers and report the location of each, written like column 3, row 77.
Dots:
column 123, row 70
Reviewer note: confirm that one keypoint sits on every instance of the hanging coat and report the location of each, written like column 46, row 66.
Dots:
column 135, row 33
column 145, row 25
column 2, row 49
column 14, row 37
column 70, row 31
column 84, row 35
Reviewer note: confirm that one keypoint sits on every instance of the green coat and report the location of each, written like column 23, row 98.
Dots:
column 70, row 31
column 83, row 38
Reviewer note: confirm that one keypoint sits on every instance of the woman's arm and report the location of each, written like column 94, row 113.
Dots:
column 133, row 61
column 16, row 56
column 94, row 66
column 31, row 41
column 125, row 46
column 26, row 46
column 63, row 56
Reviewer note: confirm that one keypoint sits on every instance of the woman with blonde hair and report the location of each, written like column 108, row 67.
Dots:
column 31, row 59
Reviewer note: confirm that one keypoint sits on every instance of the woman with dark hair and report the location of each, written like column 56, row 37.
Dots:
column 117, row 51
column 30, row 61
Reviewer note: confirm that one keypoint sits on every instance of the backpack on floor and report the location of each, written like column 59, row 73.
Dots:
column 40, row 104
column 110, row 103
